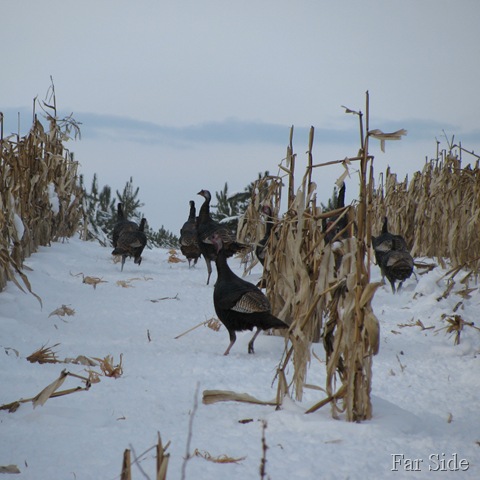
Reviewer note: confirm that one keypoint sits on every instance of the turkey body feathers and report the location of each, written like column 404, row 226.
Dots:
column 123, row 224
column 189, row 237
column 131, row 243
column 206, row 227
column 392, row 256
column 240, row 305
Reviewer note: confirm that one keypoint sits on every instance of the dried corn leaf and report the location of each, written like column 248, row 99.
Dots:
column 214, row 396
column 368, row 293
column 62, row 311
column 81, row 360
column 219, row 459
column 372, row 328
column 9, row 469
column 48, row 391
column 93, row 281
column 214, row 324
column 174, row 259
column 44, row 355
column 11, row 407
column 165, row 298
column 108, row 368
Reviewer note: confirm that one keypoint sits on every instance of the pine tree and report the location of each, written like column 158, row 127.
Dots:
column 162, row 238
column 131, row 204
column 95, row 217
column 101, row 212
column 332, row 201
column 230, row 207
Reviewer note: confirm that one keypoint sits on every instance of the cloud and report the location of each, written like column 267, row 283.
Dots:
column 233, row 131
column 228, row 131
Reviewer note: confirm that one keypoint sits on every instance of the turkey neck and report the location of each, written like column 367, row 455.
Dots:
column 191, row 217
column 120, row 215
column 223, row 269
column 204, row 214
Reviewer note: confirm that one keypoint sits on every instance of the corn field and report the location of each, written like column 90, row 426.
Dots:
column 40, row 197
column 324, row 292
column 437, row 211
column 309, row 280
column 321, row 290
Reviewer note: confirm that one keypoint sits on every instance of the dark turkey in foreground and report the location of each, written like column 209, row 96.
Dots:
column 123, row 224
column 392, row 256
column 206, row 227
column 239, row 304
column 131, row 243
column 189, row 237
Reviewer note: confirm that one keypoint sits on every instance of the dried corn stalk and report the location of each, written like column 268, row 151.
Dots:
column 40, row 198
column 418, row 210
column 251, row 227
column 308, row 281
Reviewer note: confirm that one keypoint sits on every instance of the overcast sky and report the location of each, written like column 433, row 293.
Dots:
column 185, row 95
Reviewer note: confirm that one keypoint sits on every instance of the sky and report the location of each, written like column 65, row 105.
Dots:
column 424, row 387
column 188, row 95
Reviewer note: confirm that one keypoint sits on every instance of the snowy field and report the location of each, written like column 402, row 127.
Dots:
column 426, row 390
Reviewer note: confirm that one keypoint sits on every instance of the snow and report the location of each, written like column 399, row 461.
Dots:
column 425, row 389
column 19, row 227
column 53, row 198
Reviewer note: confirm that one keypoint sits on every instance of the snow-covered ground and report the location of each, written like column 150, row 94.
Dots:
column 426, row 390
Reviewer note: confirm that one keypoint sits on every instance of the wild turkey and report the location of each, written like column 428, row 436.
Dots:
column 122, row 224
column 392, row 256
column 331, row 228
column 189, row 238
column 131, row 243
column 206, row 227
column 261, row 247
column 239, row 304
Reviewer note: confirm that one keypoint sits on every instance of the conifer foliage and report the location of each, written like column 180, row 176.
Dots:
column 101, row 214
column 230, row 206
